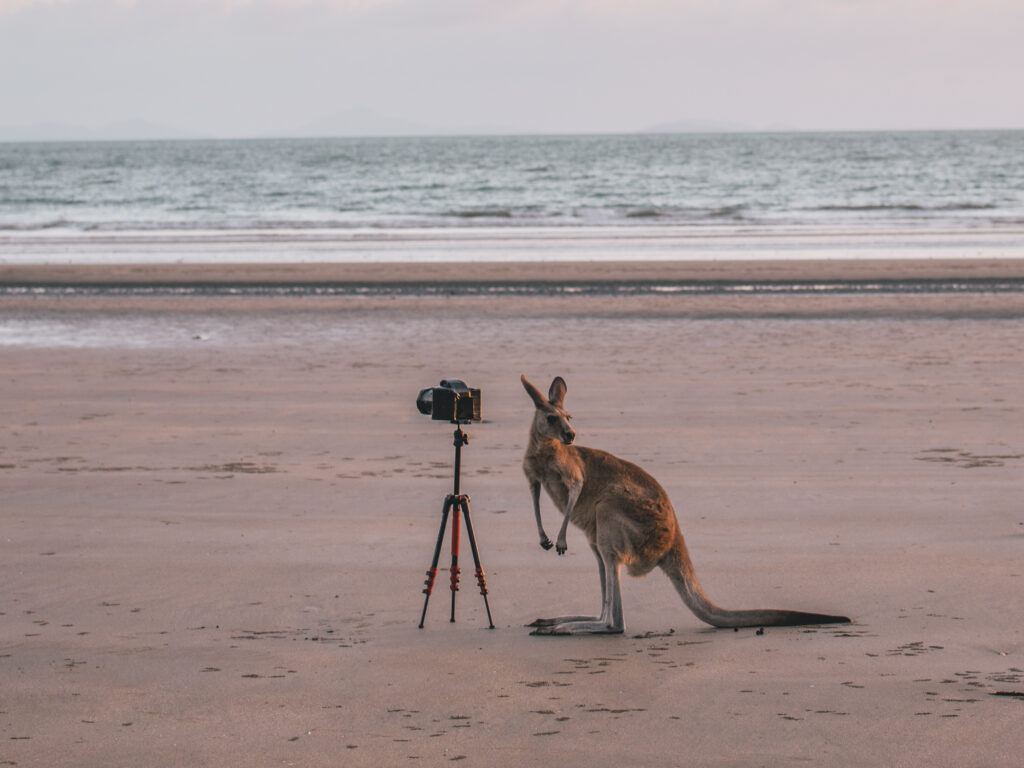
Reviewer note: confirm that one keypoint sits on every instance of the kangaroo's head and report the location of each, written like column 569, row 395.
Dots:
column 551, row 420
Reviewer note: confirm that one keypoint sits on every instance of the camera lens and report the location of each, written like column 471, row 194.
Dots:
column 425, row 401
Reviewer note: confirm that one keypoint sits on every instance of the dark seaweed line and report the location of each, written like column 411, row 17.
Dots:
column 537, row 288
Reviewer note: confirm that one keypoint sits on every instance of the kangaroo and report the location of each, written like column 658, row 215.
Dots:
column 627, row 519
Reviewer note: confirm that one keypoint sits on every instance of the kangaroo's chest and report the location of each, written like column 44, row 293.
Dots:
column 556, row 474
column 555, row 485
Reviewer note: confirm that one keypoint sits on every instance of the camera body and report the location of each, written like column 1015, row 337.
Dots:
column 451, row 401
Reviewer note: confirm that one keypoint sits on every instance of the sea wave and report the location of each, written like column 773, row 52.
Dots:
column 36, row 226
column 907, row 207
column 200, row 219
column 729, row 211
column 481, row 213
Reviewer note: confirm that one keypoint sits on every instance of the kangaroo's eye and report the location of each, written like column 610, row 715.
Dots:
column 552, row 419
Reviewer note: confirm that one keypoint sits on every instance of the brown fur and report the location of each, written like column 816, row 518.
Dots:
column 628, row 521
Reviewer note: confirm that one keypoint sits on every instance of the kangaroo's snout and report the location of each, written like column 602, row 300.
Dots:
column 568, row 436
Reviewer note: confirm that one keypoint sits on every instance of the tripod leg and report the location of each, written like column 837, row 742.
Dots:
column 463, row 503
column 448, row 502
column 454, row 570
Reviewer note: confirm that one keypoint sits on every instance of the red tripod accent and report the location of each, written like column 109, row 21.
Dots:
column 460, row 503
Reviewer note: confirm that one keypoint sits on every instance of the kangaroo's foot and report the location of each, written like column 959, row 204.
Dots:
column 576, row 625
column 560, row 620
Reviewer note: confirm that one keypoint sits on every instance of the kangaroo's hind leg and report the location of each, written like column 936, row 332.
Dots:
column 564, row 619
column 608, row 623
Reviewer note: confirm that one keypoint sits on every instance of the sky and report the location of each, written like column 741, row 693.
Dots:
column 278, row 67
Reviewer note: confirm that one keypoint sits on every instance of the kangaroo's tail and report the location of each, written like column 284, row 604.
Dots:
column 679, row 568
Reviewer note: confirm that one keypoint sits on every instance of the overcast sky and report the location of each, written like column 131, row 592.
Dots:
column 252, row 67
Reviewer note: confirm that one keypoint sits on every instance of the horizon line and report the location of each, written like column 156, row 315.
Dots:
column 284, row 136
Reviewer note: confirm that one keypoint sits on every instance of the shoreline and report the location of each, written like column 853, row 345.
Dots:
column 502, row 272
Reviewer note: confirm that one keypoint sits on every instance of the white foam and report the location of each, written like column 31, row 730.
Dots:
column 513, row 244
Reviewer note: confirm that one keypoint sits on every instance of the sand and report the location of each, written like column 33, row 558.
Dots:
column 217, row 515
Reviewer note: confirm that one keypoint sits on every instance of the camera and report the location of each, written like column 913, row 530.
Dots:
column 451, row 401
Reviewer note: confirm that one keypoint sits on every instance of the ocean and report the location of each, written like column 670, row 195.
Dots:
column 644, row 196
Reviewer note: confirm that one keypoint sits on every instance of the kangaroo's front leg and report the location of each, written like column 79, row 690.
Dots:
column 545, row 542
column 574, row 494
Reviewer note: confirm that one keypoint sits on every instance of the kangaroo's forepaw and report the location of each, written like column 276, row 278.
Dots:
column 561, row 548
column 546, row 543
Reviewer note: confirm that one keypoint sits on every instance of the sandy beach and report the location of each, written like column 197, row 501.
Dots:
column 217, row 514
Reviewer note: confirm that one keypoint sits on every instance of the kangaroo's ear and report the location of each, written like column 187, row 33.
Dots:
column 556, row 394
column 534, row 393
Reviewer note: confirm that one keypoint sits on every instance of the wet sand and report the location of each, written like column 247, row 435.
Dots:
column 556, row 271
column 217, row 514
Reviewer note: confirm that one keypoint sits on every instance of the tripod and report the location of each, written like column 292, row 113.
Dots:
column 460, row 503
